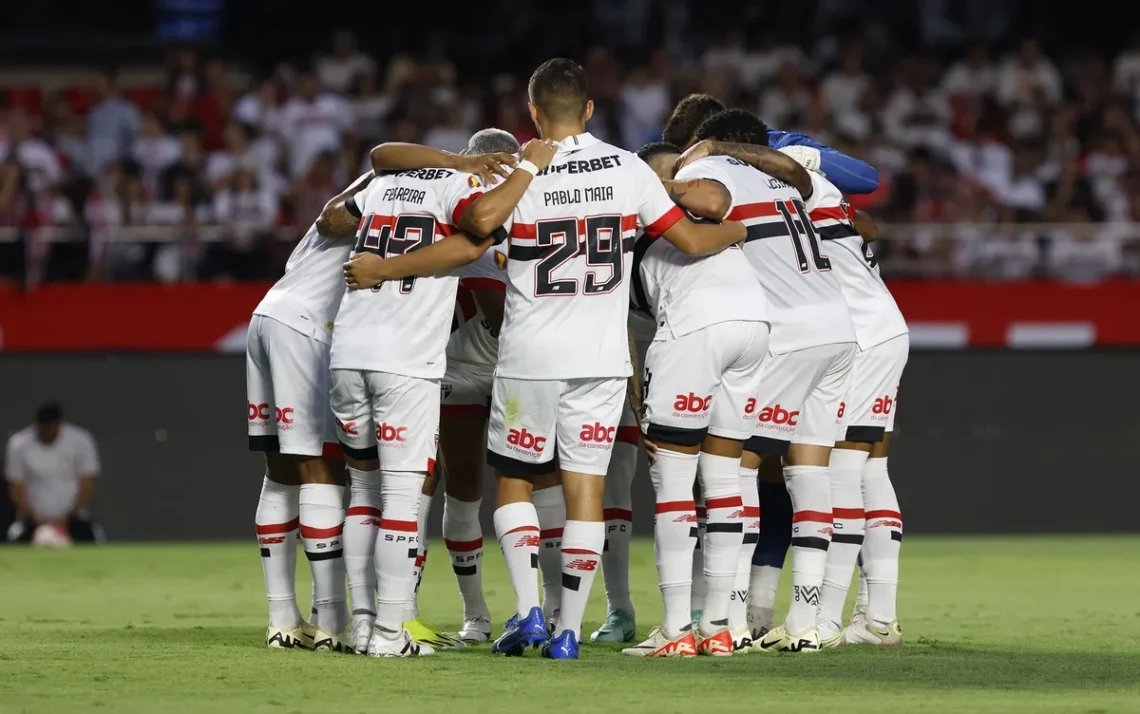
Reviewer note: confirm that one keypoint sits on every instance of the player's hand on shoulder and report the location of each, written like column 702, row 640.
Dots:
column 740, row 231
column 364, row 270
column 539, row 152
column 696, row 152
column 487, row 166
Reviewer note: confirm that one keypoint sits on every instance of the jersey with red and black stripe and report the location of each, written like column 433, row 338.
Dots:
column 473, row 342
column 401, row 326
column 568, row 272
column 874, row 313
column 806, row 304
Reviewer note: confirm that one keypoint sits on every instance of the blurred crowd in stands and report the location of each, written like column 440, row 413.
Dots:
column 1005, row 165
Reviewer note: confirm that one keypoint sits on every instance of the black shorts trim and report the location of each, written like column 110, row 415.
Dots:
column 517, row 468
column 370, row 453
column 736, row 527
column 847, row 538
column 865, row 434
column 766, row 445
column 680, row 436
column 810, row 542
column 265, row 443
column 324, row 555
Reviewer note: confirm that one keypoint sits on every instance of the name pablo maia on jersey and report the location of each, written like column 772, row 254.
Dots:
column 592, row 193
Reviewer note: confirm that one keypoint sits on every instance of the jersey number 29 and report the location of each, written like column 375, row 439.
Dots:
column 386, row 237
column 560, row 242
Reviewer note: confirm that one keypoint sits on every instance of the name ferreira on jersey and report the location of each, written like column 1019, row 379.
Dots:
column 409, row 195
column 578, row 195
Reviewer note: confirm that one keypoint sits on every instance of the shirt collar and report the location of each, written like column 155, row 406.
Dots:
column 576, row 142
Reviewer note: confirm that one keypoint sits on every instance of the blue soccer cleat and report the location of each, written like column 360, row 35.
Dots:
column 527, row 632
column 564, row 646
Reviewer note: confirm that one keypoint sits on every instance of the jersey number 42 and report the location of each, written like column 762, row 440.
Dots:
column 388, row 236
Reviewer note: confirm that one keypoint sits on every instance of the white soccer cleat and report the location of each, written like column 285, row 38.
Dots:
column 742, row 641
column 361, row 633
column 830, row 638
column 476, row 630
column 873, row 633
column 660, row 645
column 299, row 637
column 342, row 642
column 780, row 640
column 402, row 646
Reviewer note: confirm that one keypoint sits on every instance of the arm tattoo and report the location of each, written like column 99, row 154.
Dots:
column 766, row 159
column 337, row 222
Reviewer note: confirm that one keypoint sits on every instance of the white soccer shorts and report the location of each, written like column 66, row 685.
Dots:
column 465, row 390
column 287, row 391
column 533, row 420
column 868, row 411
column 387, row 416
column 702, row 383
column 799, row 398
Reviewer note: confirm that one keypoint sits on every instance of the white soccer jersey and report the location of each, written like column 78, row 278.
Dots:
column 569, row 267
column 401, row 327
column 874, row 313
column 806, row 304
column 685, row 294
column 307, row 296
column 473, row 342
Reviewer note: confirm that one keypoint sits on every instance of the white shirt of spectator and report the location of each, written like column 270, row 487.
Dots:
column 38, row 160
column 842, row 92
column 336, row 74
column 402, row 327
column 51, row 472
column 1015, row 82
column 307, row 296
column 566, row 319
column 312, row 128
column 805, row 302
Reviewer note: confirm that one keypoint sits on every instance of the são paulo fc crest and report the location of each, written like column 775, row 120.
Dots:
column 474, row 182
column 500, row 260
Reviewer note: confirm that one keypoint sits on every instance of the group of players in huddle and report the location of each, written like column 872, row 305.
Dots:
column 497, row 297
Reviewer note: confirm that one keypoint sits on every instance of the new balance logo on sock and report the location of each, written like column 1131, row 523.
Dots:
column 804, row 593
column 527, row 541
column 686, row 518
column 276, row 540
column 582, row 564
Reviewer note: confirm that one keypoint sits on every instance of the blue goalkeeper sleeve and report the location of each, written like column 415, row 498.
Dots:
column 850, row 175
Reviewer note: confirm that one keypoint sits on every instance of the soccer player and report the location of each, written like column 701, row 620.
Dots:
column 812, row 346
column 563, row 363
column 388, row 355
column 287, row 385
column 702, row 373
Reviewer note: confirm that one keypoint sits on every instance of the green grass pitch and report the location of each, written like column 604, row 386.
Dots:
column 1043, row 624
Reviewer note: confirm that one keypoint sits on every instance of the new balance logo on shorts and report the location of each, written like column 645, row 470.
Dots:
column 261, row 413
column 691, row 405
column 387, row 433
column 596, row 436
column 779, row 417
column 526, row 442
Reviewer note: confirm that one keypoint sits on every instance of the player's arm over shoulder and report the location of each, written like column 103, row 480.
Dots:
column 702, row 197
column 342, row 213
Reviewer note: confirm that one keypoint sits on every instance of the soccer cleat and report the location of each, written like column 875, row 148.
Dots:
column 618, row 627
column 342, row 641
column 715, row 644
column 742, row 641
column 361, row 633
column 476, row 630
column 661, row 645
column 299, row 637
column 872, row 633
column 530, row 631
column 564, row 646
column 780, row 640
column 831, row 641
column 426, row 634
column 402, row 646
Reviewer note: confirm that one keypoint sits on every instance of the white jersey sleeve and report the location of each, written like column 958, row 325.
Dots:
column 402, row 327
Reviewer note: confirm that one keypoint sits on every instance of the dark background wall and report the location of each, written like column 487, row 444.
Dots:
column 986, row 442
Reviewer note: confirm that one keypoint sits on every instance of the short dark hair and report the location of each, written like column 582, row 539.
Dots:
column 48, row 413
column 656, row 148
column 491, row 140
column 734, row 125
column 687, row 116
column 559, row 88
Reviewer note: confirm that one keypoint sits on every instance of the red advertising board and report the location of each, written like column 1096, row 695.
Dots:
column 213, row 317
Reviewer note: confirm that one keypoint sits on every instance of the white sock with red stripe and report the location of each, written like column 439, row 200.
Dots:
column 810, row 491
column 724, row 529
column 413, row 610
column 516, row 527
column 463, row 536
column 360, row 523
column 618, row 512
column 674, row 534
column 582, row 543
column 750, row 520
column 698, row 590
column 276, row 528
column 882, row 542
column 550, row 505
column 397, row 548
column 322, row 528
column 846, row 473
